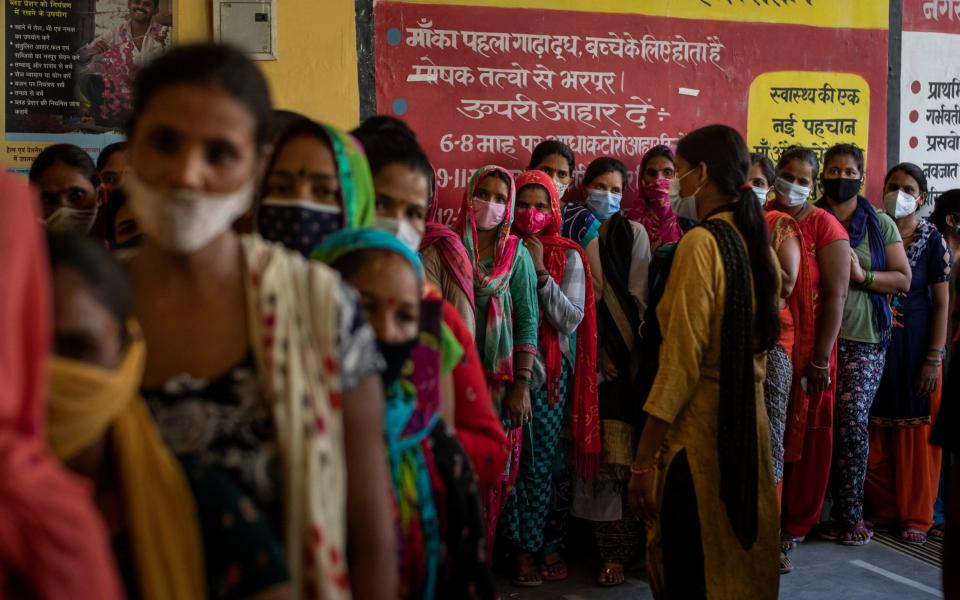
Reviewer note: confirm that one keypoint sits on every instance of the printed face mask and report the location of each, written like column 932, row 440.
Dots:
column 531, row 221
column 184, row 221
column 899, row 204
column 561, row 188
column 790, row 194
column 298, row 224
column 488, row 215
column 402, row 230
column 841, row 190
column 396, row 356
column 72, row 220
column 603, row 203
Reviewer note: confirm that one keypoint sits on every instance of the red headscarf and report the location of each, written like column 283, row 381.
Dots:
column 449, row 245
column 51, row 537
column 585, row 422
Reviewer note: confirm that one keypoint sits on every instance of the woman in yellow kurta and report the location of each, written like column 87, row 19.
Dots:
column 702, row 476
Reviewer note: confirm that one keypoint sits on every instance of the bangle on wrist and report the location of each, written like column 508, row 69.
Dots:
column 825, row 367
column 868, row 279
column 522, row 379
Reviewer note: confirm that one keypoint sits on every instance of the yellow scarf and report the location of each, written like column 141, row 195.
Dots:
column 87, row 402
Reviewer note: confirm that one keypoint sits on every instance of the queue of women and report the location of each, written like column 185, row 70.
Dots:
column 357, row 400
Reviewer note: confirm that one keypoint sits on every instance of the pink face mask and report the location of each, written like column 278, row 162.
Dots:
column 657, row 189
column 489, row 215
column 531, row 221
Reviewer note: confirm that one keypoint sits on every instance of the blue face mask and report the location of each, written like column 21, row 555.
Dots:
column 603, row 204
column 297, row 224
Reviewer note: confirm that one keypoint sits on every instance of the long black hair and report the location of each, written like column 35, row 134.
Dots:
column 602, row 166
column 727, row 158
column 910, row 169
column 68, row 154
column 207, row 65
column 548, row 148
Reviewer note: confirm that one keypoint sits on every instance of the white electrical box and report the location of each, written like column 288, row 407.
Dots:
column 248, row 26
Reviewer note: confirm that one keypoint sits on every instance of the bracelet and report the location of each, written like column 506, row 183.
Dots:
column 938, row 351
column 523, row 379
column 525, row 369
column 934, row 363
column 825, row 367
column 868, row 279
column 638, row 470
column 543, row 273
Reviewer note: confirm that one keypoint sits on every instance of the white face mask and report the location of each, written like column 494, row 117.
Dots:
column 899, row 204
column 683, row 206
column 72, row 220
column 402, row 229
column 789, row 194
column 183, row 221
column 561, row 188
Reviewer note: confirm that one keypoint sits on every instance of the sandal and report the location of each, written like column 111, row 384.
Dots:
column 936, row 533
column 786, row 565
column 858, row 535
column 611, row 575
column 553, row 567
column 789, row 543
column 914, row 537
column 525, row 571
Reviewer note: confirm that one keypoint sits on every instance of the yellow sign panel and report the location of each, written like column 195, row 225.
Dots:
column 846, row 14
column 811, row 109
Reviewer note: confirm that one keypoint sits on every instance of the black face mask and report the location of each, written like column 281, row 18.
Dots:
column 395, row 355
column 841, row 190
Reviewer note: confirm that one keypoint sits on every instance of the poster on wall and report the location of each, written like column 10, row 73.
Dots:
column 485, row 84
column 70, row 70
column 930, row 92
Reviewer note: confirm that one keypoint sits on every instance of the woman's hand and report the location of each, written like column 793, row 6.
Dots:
column 928, row 378
column 640, row 496
column 857, row 274
column 535, row 248
column 519, row 410
column 818, row 380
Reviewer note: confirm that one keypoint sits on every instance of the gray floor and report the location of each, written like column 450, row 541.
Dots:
column 823, row 570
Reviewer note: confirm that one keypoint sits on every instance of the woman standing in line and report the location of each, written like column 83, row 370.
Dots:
column 281, row 403
column 505, row 288
column 568, row 336
column 619, row 260
column 878, row 267
column 808, row 435
column 904, row 469
column 701, row 477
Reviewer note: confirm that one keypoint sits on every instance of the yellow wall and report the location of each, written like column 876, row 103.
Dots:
column 316, row 68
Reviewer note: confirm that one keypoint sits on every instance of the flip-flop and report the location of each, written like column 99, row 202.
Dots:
column 604, row 579
column 786, row 565
column 847, row 538
column 549, row 570
column 529, row 580
column 914, row 537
